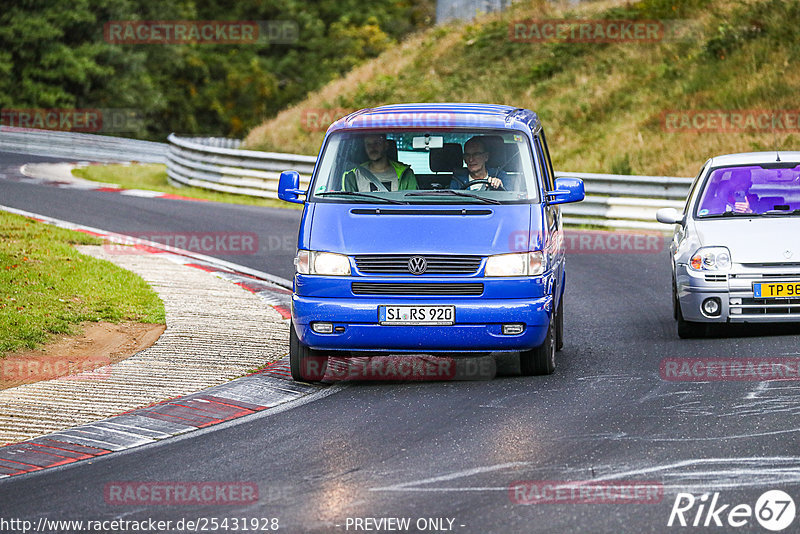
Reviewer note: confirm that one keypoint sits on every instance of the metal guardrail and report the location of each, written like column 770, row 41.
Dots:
column 80, row 146
column 625, row 201
column 201, row 162
column 612, row 200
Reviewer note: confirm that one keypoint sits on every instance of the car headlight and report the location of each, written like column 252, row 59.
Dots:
column 711, row 259
column 326, row 263
column 517, row 264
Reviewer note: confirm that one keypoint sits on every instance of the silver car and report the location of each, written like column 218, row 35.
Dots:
column 736, row 248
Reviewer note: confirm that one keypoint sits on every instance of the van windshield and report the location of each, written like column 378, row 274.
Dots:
column 424, row 167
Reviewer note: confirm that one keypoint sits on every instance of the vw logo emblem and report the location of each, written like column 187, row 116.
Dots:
column 417, row 265
column 787, row 254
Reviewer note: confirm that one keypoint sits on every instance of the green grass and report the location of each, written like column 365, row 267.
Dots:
column 48, row 287
column 601, row 103
column 153, row 177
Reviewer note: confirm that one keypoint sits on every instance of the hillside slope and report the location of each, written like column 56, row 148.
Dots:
column 603, row 104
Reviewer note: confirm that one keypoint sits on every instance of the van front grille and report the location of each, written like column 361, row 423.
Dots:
column 376, row 288
column 436, row 263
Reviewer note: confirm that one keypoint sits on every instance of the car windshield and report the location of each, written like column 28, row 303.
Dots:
column 748, row 191
column 426, row 167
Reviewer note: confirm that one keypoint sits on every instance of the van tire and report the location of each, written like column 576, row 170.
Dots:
column 560, row 324
column 542, row 359
column 305, row 364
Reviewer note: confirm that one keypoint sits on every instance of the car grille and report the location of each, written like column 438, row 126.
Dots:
column 756, row 306
column 746, row 305
column 374, row 288
column 436, row 264
column 716, row 278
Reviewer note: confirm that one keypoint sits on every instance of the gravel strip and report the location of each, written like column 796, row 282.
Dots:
column 215, row 332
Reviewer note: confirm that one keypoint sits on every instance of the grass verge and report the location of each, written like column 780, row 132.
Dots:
column 602, row 104
column 153, row 177
column 48, row 287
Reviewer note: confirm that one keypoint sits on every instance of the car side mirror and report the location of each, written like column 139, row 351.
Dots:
column 289, row 187
column 567, row 190
column 669, row 216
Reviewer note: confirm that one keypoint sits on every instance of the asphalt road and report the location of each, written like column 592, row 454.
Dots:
column 452, row 449
column 275, row 229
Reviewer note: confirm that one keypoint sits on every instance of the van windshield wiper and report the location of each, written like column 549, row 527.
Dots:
column 450, row 192
column 363, row 195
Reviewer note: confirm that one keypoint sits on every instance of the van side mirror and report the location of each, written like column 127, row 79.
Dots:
column 567, row 190
column 669, row 216
column 289, row 187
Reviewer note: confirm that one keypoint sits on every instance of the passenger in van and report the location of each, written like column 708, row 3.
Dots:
column 379, row 172
column 476, row 154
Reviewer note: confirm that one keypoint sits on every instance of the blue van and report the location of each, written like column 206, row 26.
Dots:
column 430, row 228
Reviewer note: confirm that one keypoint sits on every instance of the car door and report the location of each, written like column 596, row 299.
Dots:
column 554, row 237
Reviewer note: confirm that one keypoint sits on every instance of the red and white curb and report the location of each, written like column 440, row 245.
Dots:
column 268, row 388
column 60, row 175
column 276, row 291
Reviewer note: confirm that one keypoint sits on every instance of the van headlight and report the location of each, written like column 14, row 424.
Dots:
column 517, row 264
column 711, row 259
column 326, row 263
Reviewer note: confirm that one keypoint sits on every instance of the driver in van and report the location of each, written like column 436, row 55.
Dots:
column 475, row 156
column 379, row 173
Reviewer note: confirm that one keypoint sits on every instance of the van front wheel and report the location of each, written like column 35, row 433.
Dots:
column 305, row 363
column 542, row 359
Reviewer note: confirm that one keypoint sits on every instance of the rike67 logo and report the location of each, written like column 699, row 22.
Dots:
column 774, row 510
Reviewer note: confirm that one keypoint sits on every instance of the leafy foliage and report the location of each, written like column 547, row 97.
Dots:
column 53, row 55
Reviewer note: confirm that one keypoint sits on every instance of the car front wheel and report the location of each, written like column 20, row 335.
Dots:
column 542, row 359
column 686, row 329
column 305, row 363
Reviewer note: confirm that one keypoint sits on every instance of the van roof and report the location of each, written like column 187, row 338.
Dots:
column 443, row 115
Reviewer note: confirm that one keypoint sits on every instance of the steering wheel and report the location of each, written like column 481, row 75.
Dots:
column 484, row 181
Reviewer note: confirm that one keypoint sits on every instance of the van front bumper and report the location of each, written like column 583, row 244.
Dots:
column 477, row 328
